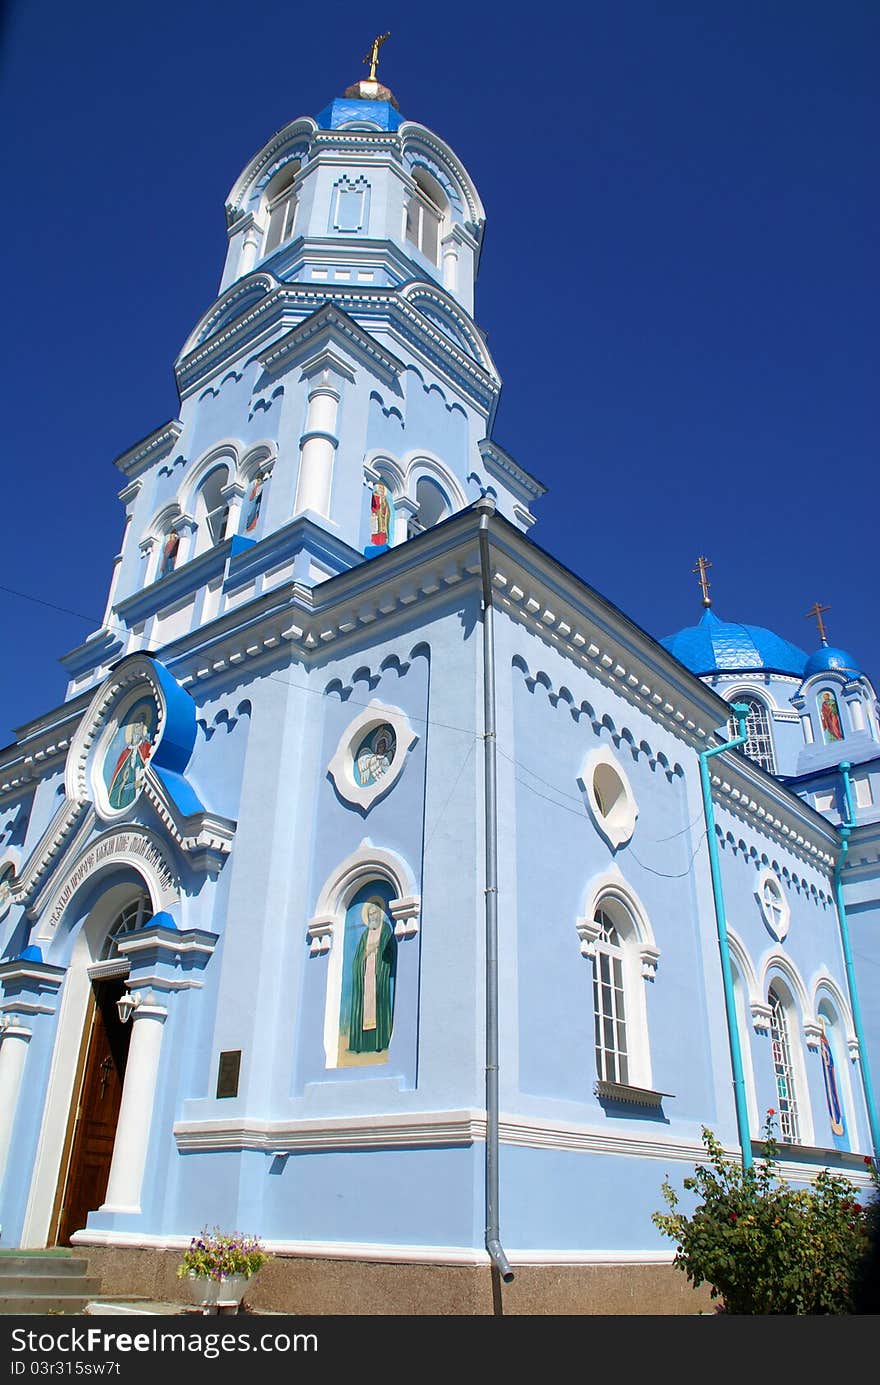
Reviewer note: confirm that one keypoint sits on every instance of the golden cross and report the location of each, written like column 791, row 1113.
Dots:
column 815, row 612
column 703, row 565
column 373, row 56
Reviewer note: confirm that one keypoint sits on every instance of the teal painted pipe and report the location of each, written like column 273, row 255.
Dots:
column 847, row 957
column 739, row 1083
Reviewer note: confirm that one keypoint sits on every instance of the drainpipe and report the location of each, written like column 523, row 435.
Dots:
column 493, row 1234
column 740, row 711
column 845, row 830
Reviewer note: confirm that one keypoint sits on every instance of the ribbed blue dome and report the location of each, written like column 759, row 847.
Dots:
column 826, row 658
column 720, row 646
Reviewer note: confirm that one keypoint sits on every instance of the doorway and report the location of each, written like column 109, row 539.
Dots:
column 94, row 1111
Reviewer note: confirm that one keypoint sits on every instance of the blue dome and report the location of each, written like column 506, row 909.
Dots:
column 720, row 646
column 827, row 658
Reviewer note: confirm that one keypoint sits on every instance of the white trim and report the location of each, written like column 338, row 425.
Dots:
column 341, row 769
column 425, row 1129
column 390, row 1252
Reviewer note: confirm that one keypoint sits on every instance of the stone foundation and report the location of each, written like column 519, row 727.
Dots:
column 296, row 1285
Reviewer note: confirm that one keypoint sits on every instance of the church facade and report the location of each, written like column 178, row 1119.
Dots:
column 379, row 887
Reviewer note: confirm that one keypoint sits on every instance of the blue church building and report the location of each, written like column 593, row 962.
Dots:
column 379, row 887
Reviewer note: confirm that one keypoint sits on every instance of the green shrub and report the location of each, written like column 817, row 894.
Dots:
column 765, row 1247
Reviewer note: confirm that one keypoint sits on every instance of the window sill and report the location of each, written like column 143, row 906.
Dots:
column 813, row 1154
column 624, row 1095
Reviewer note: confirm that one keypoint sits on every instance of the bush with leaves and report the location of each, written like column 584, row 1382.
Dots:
column 763, row 1246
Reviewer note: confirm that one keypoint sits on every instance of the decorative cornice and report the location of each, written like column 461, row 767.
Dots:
column 149, row 449
column 289, row 304
column 502, row 465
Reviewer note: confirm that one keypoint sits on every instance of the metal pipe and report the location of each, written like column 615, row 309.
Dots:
column 839, row 864
column 493, row 1234
column 741, row 712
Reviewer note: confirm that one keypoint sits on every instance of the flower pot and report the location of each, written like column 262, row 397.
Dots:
column 217, row 1293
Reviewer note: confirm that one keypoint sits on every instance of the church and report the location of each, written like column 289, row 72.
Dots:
column 380, row 888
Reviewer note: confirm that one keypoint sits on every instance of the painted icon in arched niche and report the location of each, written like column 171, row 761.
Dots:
column 373, row 756
column 380, row 514
column 829, row 712
column 169, row 553
column 832, row 1092
column 253, row 503
column 128, row 753
column 369, row 970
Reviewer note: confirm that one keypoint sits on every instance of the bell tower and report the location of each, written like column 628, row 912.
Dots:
column 336, row 399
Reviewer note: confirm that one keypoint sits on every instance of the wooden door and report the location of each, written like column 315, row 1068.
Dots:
column 97, row 1111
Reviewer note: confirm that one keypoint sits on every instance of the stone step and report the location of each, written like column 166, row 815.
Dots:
column 26, row 1266
column 22, row 1304
column 48, row 1285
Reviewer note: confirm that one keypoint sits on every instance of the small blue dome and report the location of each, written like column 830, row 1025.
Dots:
column 720, row 646
column 31, row 953
column 827, row 658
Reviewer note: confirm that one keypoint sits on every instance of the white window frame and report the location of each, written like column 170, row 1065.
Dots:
column 773, row 903
column 784, row 1057
column 609, row 896
column 610, row 799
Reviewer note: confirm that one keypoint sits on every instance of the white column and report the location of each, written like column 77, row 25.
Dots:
column 249, row 251
column 13, row 1051
column 317, row 446
column 450, row 265
column 136, row 1112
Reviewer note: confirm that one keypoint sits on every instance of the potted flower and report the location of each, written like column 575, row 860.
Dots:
column 218, row 1265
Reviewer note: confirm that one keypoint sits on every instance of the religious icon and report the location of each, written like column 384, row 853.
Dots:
column 367, row 1012
column 830, row 716
column 380, row 514
column 5, row 891
column 128, row 753
column 169, row 553
column 374, row 755
column 832, row 1096
column 253, row 503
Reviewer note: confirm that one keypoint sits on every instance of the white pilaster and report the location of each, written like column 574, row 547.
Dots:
column 13, row 1051
column 136, row 1112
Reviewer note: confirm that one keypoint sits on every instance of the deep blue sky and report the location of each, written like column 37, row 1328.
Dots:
column 679, row 281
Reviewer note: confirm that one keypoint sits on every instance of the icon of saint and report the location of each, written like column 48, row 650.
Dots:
column 830, row 715
column 380, row 514
column 372, row 982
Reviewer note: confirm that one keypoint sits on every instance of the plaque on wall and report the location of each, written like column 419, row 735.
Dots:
column 227, row 1073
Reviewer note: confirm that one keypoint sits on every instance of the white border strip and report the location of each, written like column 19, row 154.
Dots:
column 389, row 1254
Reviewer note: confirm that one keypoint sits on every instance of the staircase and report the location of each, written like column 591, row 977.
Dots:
column 42, row 1282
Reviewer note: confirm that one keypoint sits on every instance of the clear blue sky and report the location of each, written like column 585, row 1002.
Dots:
column 679, row 282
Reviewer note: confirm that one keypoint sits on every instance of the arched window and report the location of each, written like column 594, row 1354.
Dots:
column 424, row 215
column 212, row 511
column 759, row 738
column 609, row 1003
column 135, row 914
column 622, row 957
column 783, row 1068
column 433, row 506
column 281, row 207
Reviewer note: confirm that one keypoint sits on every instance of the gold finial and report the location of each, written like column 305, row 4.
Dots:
column 373, row 56
column 703, row 565
column 815, row 613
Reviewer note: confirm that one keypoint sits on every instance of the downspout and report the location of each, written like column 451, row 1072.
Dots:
column 740, row 711
column 493, row 1233
column 845, row 829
